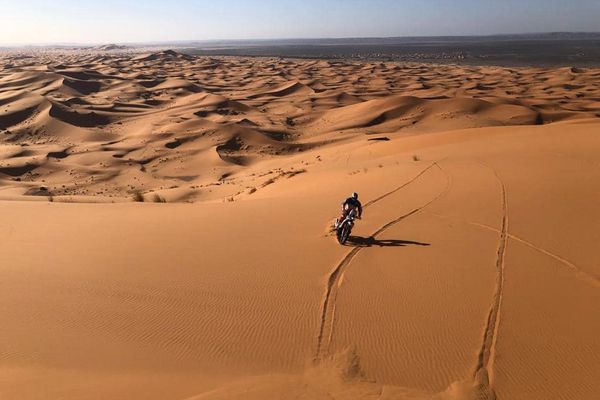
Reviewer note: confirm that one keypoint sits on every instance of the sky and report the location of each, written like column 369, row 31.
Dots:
column 111, row 21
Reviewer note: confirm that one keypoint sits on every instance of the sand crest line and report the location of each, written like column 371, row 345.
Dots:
column 328, row 307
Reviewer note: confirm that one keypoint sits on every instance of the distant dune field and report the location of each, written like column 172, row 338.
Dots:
column 166, row 229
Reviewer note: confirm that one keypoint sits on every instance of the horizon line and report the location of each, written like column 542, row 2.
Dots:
column 182, row 41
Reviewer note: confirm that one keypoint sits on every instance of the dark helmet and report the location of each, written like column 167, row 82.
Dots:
column 355, row 196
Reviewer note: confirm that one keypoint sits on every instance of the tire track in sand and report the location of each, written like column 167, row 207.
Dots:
column 383, row 196
column 487, row 352
column 328, row 306
column 592, row 279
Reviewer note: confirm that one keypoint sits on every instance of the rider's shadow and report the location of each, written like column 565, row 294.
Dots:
column 358, row 241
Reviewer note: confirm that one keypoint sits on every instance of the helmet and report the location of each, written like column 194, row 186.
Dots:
column 355, row 196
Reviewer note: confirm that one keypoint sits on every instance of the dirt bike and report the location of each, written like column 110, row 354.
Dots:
column 344, row 228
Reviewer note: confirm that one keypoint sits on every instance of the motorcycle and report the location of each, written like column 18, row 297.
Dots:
column 344, row 228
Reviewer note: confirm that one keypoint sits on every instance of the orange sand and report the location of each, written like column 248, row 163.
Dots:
column 473, row 275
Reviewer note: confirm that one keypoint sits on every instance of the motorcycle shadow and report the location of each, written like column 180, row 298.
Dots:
column 358, row 241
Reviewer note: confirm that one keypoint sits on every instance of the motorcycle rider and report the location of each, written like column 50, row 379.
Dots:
column 351, row 203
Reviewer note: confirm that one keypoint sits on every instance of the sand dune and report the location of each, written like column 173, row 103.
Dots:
column 473, row 274
column 295, row 104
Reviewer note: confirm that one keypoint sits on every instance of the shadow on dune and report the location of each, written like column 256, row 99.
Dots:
column 358, row 241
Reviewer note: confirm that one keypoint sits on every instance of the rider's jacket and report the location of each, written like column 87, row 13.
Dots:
column 354, row 203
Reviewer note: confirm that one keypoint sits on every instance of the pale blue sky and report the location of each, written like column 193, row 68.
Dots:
column 103, row 21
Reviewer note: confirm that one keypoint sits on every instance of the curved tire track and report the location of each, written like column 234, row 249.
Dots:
column 383, row 196
column 485, row 359
column 333, row 281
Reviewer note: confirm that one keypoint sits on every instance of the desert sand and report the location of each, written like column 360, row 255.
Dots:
column 165, row 229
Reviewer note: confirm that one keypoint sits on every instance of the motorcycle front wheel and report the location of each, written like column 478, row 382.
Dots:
column 344, row 234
